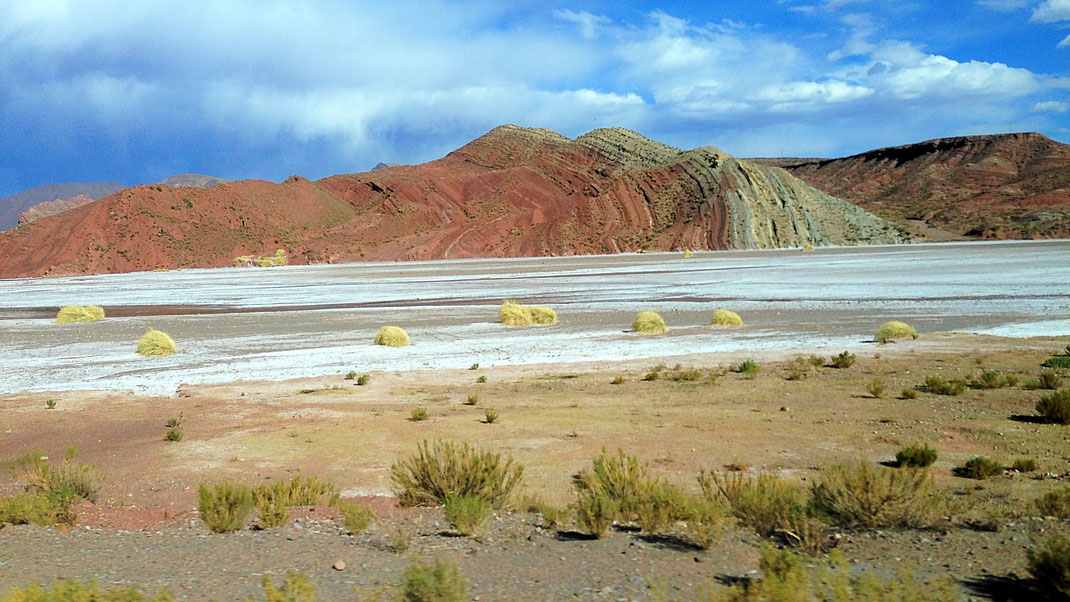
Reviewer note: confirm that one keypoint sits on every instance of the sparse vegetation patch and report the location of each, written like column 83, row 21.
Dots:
column 391, row 336
column 155, row 342
column 78, row 313
column 724, row 317
column 890, row 331
column 649, row 322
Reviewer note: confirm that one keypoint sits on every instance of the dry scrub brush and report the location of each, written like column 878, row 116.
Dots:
column 391, row 336
column 873, row 497
column 895, row 330
column 444, row 469
column 155, row 342
column 512, row 314
column 78, row 313
column 724, row 317
column 224, row 506
column 649, row 322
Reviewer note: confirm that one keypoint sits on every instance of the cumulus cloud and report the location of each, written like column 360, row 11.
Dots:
column 1052, row 106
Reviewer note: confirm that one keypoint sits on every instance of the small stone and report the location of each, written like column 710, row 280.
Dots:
column 785, row 409
column 636, row 579
column 339, row 565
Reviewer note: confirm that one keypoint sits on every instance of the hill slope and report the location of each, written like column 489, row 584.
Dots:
column 513, row 192
column 11, row 206
column 998, row 186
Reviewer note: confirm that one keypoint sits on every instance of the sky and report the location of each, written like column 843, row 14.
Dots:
column 109, row 90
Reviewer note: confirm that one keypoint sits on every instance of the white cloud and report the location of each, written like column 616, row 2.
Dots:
column 1065, row 43
column 1051, row 11
column 1052, row 106
column 590, row 24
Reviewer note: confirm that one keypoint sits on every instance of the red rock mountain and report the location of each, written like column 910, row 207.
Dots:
column 12, row 206
column 998, row 186
column 48, row 208
column 513, row 192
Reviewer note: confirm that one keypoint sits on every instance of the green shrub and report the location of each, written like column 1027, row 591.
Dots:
column 1050, row 566
column 272, row 261
column 705, row 522
column 595, row 513
column 839, row 584
column 1025, row 464
column 363, row 380
column 1055, row 503
column 649, row 322
column 224, row 506
column 690, row 375
column 472, row 400
column 78, row 313
column 351, row 375
column 874, row 497
column 72, row 591
column 991, row 379
column 466, row 513
column 474, row 366
column 660, row 505
column 298, row 491
column 1055, row 407
column 418, row 414
column 173, row 435
column 174, row 421
column 295, row 588
column 916, row 456
column 652, row 376
column 155, row 342
column 748, row 367
column 30, row 509
column 490, row 416
column 942, row 386
column 766, row 504
column 552, row 516
column 784, row 579
column 908, row 394
column 482, row 379
column 273, row 512
column 844, row 360
column 617, row 380
column 895, row 330
column 724, row 317
column 65, row 483
column 438, row 583
column 1048, row 380
column 619, row 478
column 979, row 467
column 50, row 404
column 1057, row 361
column 875, row 387
column 391, row 336
column 357, row 517
column 444, row 469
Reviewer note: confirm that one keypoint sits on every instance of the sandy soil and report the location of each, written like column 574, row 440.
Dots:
column 554, row 420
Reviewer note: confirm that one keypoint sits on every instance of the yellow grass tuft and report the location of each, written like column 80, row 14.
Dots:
column 512, row 314
column 78, row 313
column 808, row 248
column 688, row 253
column 724, row 317
column 895, row 330
column 155, row 342
column 271, row 261
column 649, row 322
column 391, row 336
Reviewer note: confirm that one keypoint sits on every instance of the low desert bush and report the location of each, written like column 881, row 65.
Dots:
column 174, row 421
column 357, row 517
column 619, row 478
column 553, row 517
column 844, row 360
column 766, row 503
column 688, row 254
column 65, row 483
column 1048, row 380
column 30, row 509
column 992, row 379
column 595, row 513
column 79, row 313
column 472, row 400
column 418, row 414
column 660, row 505
column 1055, row 503
column 1025, row 464
column 298, row 491
column 474, row 366
column 649, row 322
column 391, row 336
column 706, row 522
column 490, row 416
column 443, row 469
column 748, row 367
column 295, row 588
column 271, row 261
column 351, row 375
column 652, row 376
column 895, row 330
column 979, row 467
column 908, row 394
column 173, row 435
column 873, row 497
column 465, row 513
column 440, row 582
column 838, row 583
column 224, row 506
column 724, row 317
column 689, row 375
column 512, row 314
column 942, row 386
column 155, row 342
column 875, row 387
column 363, row 380
column 273, row 513
column 617, row 380
column 481, row 379
column 916, row 456
column 1057, row 361
column 50, row 404
column 1055, row 407
column 73, row 591
column 1050, row 566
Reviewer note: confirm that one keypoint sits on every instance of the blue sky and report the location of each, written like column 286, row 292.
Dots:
column 134, row 92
